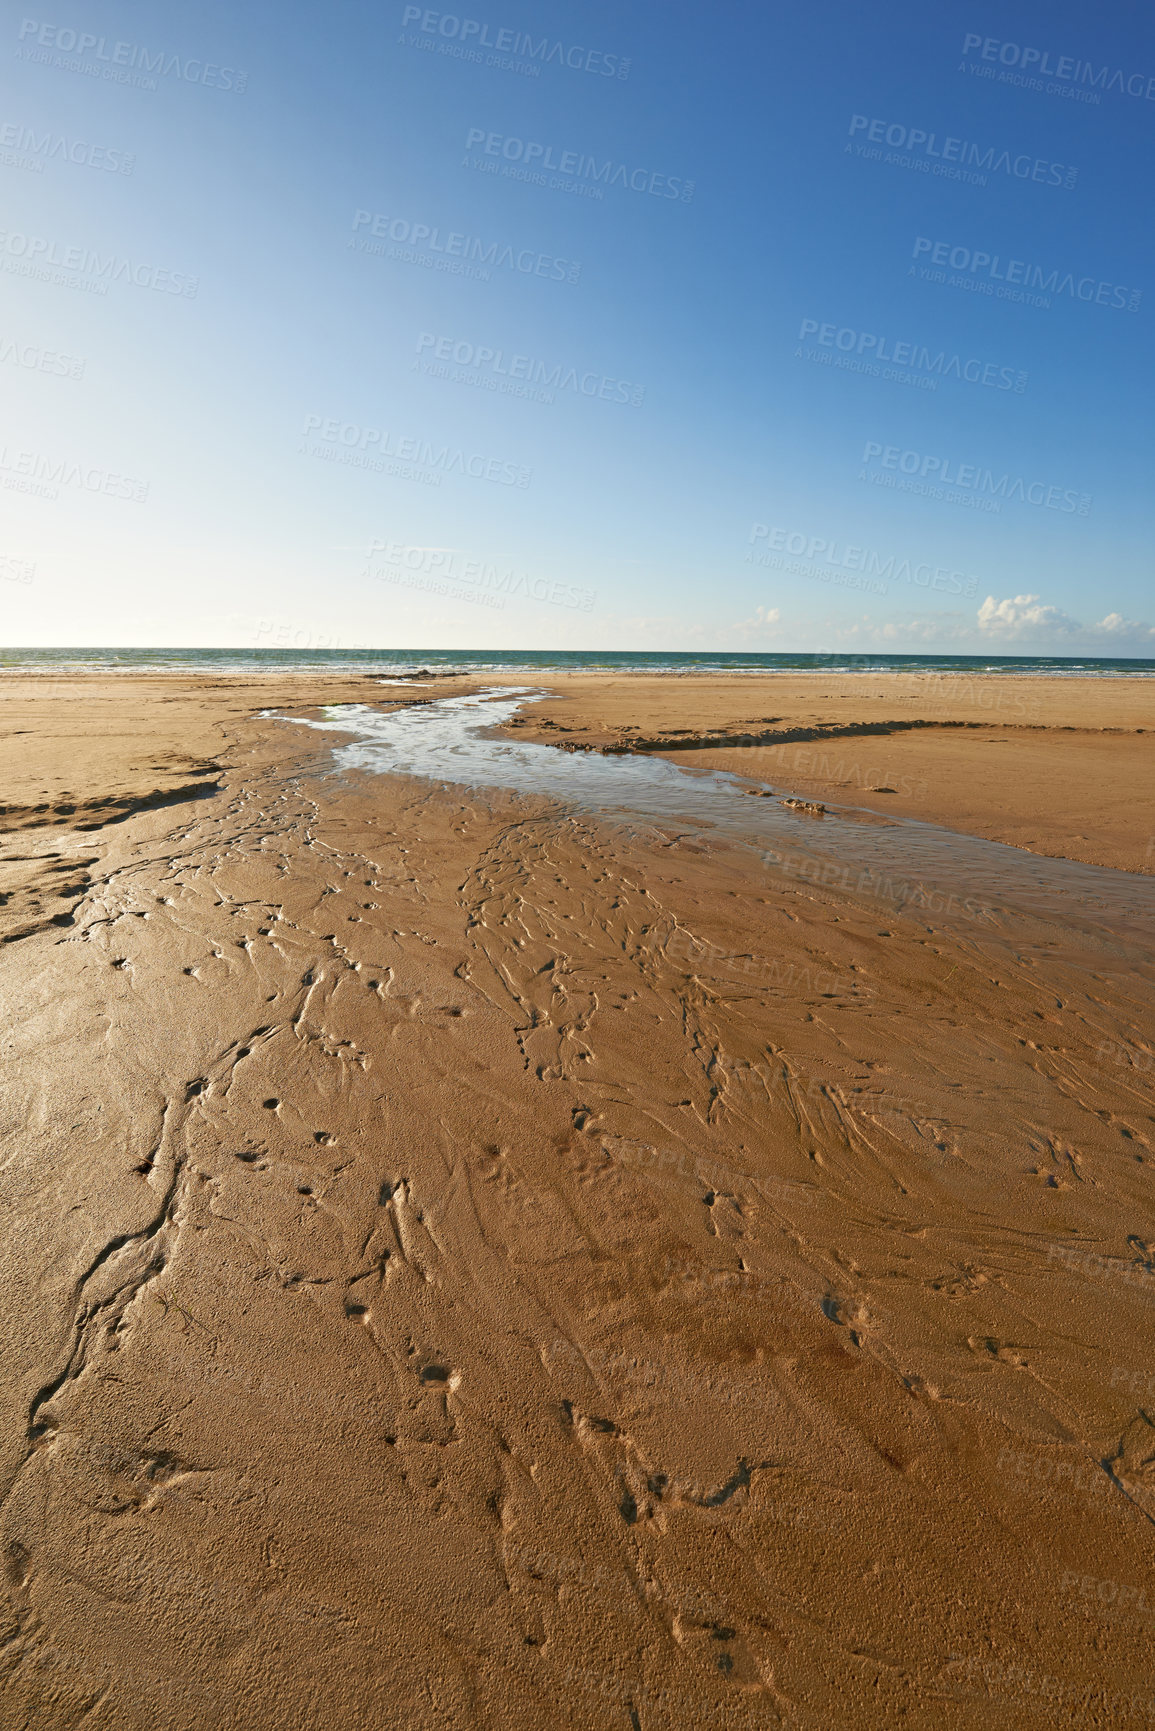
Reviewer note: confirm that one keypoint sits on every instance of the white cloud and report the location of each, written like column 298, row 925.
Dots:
column 763, row 619
column 1027, row 615
column 1114, row 625
column 1023, row 613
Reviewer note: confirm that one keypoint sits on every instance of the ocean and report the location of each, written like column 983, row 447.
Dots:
column 528, row 663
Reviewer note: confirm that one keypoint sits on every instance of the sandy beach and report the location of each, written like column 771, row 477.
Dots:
column 474, row 1261
column 1063, row 766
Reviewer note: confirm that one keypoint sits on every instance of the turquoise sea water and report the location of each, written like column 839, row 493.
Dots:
column 387, row 662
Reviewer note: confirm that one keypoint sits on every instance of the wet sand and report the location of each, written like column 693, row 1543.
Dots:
column 471, row 1261
column 1064, row 767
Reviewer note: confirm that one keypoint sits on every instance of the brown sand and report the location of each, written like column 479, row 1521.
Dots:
column 1064, row 767
column 471, row 1267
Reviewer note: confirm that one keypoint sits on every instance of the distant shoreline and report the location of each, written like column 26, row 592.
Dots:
column 320, row 657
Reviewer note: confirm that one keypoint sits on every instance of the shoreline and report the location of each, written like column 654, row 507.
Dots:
column 276, row 663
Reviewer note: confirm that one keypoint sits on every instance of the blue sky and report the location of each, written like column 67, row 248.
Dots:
column 388, row 375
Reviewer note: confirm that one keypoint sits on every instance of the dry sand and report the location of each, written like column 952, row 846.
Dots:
column 467, row 1265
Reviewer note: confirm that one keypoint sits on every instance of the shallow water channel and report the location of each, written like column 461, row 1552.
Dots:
column 906, row 867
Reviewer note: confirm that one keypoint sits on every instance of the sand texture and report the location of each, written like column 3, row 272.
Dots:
column 1079, row 782
column 470, row 1264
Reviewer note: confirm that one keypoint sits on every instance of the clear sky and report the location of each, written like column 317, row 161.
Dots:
column 578, row 325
